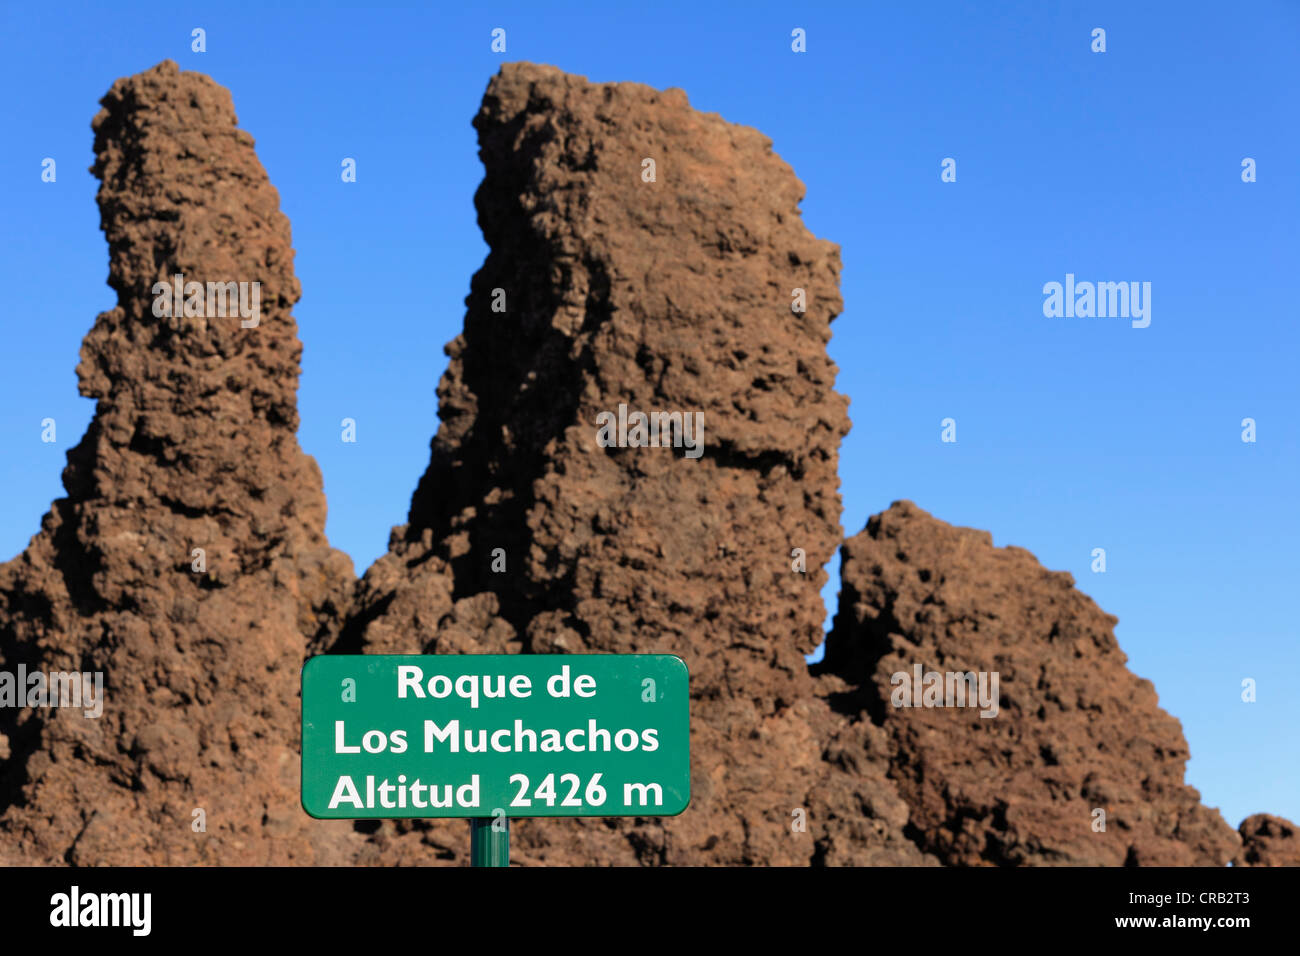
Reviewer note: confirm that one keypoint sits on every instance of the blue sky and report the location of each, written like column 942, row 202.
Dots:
column 1072, row 434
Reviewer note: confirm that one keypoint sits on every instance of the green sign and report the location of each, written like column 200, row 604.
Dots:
column 492, row 735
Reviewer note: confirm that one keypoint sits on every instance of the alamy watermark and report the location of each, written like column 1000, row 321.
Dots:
column 923, row 688
column 1103, row 300
column 77, row 909
column 212, row 300
column 56, row 689
column 639, row 430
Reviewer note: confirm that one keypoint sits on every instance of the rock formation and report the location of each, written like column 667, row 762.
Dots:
column 649, row 256
column 644, row 258
column 192, row 446
column 1075, row 732
column 1268, row 841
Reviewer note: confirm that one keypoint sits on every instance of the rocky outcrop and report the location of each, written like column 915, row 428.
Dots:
column 651, row 258
column 644, row 258
column 1078, row 742
column 1268, row 841
column 192, row 446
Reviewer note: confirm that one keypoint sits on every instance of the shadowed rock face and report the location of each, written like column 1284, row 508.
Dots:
column 1268, row 841
column 192, row 446
column 1076, row 731
column 666, row 296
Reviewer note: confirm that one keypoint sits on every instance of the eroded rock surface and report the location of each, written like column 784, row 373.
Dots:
column 1075, row 732
column 663, row 286
column 192, row 446
column 1267, row 840
column 673, row 295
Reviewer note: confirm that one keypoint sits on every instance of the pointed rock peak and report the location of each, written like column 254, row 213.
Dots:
column 637, row 453
column 186, row 572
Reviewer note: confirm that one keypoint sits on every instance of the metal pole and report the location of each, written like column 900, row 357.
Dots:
column 489, row 847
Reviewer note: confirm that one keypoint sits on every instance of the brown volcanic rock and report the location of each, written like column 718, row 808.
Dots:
column 1268, row 841
column 1076, row 730
column 192, row 446
column 673, row 295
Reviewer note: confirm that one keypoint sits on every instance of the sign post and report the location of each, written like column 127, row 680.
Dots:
column 493, row 736
column 488, row 847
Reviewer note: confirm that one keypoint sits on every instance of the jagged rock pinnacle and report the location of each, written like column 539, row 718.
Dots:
column 188, row 562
